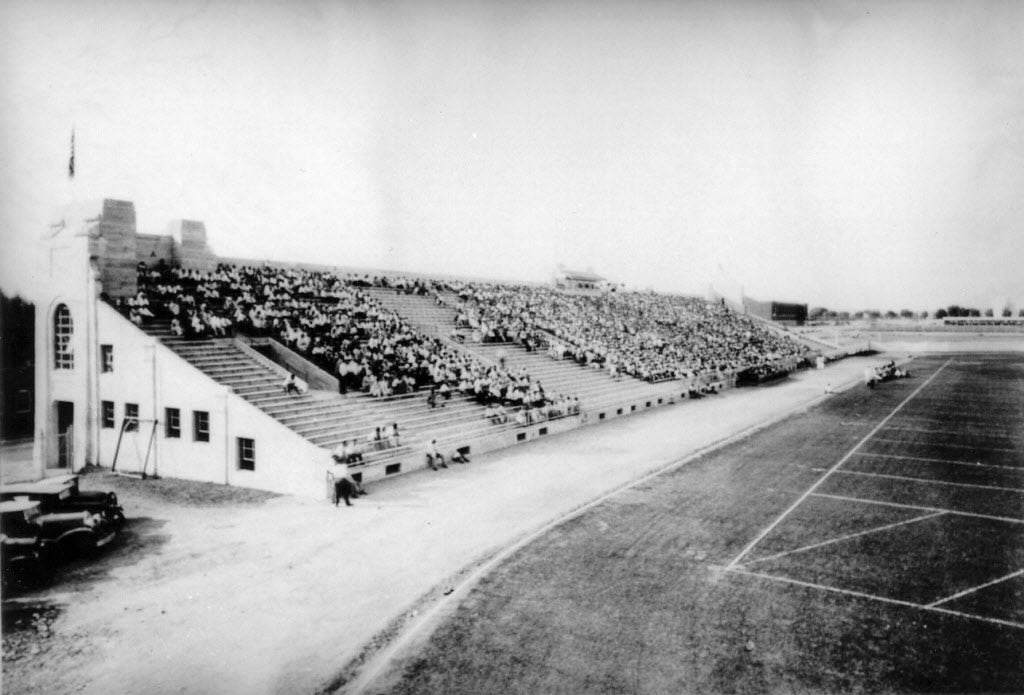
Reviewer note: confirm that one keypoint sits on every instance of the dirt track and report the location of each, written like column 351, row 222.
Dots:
column 279, row 595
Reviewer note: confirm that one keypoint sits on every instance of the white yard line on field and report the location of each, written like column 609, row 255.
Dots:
column 834, row 468
column 974, row 515
column 961, row 419
column 845, row 537
column 972, row 464
column 895, row 426
column 965, row 592
column 873, row 597
column 946, row 445
column 932, row 482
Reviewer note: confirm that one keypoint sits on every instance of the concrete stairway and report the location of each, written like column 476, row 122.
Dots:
column 323, row 418
column 326, row 419
column 594, row 387
column 596, row 390
column 421, row 311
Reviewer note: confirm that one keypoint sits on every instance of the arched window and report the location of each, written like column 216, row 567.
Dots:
column 63, row 330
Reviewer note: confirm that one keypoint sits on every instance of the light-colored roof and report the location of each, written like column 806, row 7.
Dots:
column 581, row 276
column 18, row 505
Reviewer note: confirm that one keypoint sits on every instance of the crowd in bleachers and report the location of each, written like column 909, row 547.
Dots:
column 334, row 322
column 330, row 320
column 648, row 336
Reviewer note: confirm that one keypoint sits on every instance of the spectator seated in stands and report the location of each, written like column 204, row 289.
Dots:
column 642, row 335
column 391, row 435
column 292, row 385
column 350, row 452
column 496, row 413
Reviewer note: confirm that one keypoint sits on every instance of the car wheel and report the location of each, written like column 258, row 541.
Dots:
column 38, row 573
column 27, row 575
column 83, row 545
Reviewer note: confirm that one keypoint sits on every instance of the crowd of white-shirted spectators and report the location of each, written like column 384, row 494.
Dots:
column 648, row 336
column 329, row 319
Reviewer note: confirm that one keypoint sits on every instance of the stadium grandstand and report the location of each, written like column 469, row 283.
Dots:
column 163, row 359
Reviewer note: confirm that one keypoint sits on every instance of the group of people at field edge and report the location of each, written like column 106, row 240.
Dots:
column 345, row 486
column 886, row 372
column 435, row 458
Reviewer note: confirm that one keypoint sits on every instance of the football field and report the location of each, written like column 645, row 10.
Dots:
column 874, row 543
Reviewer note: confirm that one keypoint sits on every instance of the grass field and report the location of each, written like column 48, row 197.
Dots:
column 875, row 543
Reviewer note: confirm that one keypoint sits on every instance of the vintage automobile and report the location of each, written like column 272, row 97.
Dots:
column 26, row 559
column 73, row 531
column 95, row 501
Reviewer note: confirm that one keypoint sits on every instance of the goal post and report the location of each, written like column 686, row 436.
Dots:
column 134, row 446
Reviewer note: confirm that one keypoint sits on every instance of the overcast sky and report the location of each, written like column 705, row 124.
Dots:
column 853, row 155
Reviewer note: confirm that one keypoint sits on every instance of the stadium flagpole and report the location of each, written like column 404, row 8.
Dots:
column 70, row 190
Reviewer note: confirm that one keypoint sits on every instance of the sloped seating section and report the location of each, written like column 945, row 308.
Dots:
column 648, row 336
column 462, row 363
column 388, row 431
column 328, row 319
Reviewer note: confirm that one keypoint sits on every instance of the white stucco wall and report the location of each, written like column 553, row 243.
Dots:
column 64, row 276
column 148, row 373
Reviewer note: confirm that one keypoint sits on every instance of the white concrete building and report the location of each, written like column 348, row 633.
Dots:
column 95, row 370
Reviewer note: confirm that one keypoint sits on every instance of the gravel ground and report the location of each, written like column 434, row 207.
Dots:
column 219, row 590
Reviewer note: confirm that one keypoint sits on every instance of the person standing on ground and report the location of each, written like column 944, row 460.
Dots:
column 434, row 456
column 344, row 486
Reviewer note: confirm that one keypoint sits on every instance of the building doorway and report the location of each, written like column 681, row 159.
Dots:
column 65, row 434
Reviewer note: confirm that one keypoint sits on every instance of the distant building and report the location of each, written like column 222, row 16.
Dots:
column 780, row 312
column 583, row 282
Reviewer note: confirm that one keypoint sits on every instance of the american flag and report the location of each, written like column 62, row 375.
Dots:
column 71, row 161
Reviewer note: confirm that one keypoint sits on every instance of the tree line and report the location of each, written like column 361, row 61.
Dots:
column 17, row 348
column 953, row 311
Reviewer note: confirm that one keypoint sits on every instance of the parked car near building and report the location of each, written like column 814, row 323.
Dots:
column 70, row 498
column 73, row 531
column 25, row 556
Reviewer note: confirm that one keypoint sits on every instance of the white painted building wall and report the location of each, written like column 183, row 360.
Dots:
column 154, row 377
column 147, row 373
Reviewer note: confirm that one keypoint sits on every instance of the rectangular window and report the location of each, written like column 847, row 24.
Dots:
column 200, row 426
column 246, row 454
column 107, row 358
column 107, row 415
column 131, row 417
column 172, row 423
column 63, row 331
